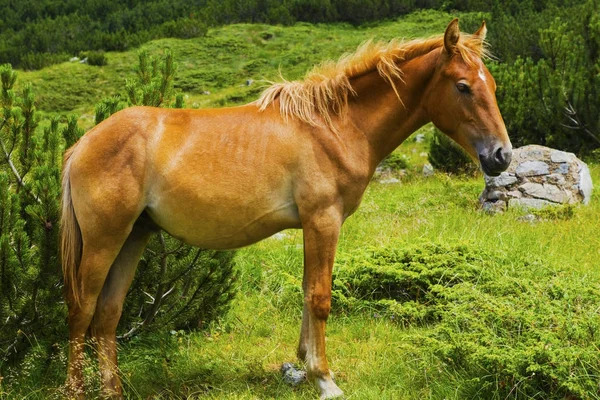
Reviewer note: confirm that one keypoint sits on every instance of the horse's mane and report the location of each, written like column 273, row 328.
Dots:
column 326, row 88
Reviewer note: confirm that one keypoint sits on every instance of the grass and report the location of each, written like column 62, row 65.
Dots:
column 240, row 357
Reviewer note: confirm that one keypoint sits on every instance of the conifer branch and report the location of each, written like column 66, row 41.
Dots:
column 14, row 169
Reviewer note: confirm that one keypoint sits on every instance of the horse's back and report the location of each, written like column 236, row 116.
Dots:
column 215, row 178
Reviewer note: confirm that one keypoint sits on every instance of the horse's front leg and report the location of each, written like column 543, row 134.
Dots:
column 321, row 232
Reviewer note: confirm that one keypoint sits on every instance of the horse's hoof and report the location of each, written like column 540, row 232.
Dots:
column 328, row 389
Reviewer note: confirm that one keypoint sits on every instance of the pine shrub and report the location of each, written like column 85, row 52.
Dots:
column 447, row 156
column 97, row 58
column 512, row 327
column 177, row 286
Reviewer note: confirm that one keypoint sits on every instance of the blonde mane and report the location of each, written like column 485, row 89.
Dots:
column 325, row 89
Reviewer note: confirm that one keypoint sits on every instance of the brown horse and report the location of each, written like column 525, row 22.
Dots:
column 299, row 157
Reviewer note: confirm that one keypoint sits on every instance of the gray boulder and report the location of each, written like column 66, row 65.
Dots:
column 537, row 177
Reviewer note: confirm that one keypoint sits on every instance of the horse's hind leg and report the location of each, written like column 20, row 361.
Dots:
column 110, row 305
column 96, row 258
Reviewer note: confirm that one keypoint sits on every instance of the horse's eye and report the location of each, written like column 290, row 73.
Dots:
column 463, row 87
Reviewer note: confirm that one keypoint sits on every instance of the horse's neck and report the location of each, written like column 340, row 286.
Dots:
column 381, row 116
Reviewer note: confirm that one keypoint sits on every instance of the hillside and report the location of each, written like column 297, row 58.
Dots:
column 220, row 63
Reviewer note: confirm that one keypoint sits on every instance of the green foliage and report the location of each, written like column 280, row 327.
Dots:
column 30, row 186
column 188, row 288
column 548, row 91
column 97, row 58
column 529, row 333
column 447, row 156
column 194, row 287
column 394, row 161
column 154, row 81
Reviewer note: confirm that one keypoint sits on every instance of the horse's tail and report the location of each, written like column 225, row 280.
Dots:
column 71, row 239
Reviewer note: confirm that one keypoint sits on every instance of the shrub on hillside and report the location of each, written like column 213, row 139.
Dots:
column 512, row 327
column 184, row 28
column 394, row 161
column 447, row 156
column 97, row 58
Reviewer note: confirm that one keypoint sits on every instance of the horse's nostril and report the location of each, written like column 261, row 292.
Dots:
column 499, row 156
column 502, row 156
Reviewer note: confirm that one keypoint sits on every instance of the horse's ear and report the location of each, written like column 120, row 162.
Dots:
column 451, row 36
column 481, row 32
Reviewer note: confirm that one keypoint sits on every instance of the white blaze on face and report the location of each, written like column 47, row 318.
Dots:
column 482, row 74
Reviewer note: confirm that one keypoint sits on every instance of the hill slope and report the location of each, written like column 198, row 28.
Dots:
column 221, row 62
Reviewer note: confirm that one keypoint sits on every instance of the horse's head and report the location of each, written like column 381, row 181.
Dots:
column 461, row 100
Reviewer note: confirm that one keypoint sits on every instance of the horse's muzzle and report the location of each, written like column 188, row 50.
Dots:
column 496, row 161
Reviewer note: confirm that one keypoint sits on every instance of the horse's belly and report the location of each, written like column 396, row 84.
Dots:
column 219, row 225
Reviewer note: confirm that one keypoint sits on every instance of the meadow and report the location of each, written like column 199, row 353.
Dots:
column 519, row 321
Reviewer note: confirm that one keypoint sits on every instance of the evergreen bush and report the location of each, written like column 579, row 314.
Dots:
column 97, row 58
column 512, row 326
column 447, row 156
column 177, row 286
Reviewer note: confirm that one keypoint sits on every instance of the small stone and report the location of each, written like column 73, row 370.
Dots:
column 291, row 375
column 558, row 156
column 585, row 183
column 527, row 218
column 420, row 138
column 504, row 179
column 496, row 195
column 494, row 207
column 389, row 180
column 427, row 170
column 532, row 168
column 280, row 236
column 249, row 82
column 423, row 154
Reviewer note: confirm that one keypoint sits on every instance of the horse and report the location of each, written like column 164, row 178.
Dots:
column 299, row 157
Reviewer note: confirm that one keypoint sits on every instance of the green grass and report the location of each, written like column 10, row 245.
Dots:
column 373, row 357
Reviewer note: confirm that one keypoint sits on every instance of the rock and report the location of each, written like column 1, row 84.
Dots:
column 387, row 181
column 532, row 168
column 427, row 170
column 557, row 156
column 493, row 207
column 504, row 179
column 249, row 82
column 538, row 177
column 420, row 138
column 544, row 191
column 291, row 375
column 563, row 168
column 557, row 179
